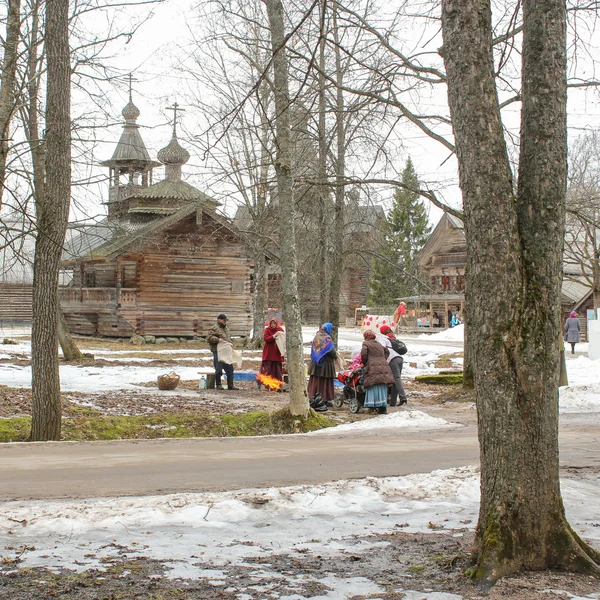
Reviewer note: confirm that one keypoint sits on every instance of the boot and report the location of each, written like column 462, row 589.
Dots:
column 230, row 385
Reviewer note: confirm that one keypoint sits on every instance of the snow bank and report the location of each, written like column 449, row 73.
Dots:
column 454, row 334
column 412, row 419
column 582, row 370
column 580, row 398
column 325, row 519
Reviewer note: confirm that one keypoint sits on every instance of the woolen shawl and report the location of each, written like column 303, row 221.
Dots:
column 322, row 344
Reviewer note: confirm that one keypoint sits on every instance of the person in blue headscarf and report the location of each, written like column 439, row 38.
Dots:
column 322, row 364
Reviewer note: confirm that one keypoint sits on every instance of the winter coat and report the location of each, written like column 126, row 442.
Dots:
column 216, row 333
column 374, row 357
column 270, row 349
column 572, row 327
column 326, row 368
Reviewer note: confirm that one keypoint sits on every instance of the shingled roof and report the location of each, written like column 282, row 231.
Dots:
column 170, row 189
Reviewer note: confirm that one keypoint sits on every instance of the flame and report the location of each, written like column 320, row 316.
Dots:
column 269, row 382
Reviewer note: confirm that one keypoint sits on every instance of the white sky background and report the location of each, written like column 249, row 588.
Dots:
column 163, row 43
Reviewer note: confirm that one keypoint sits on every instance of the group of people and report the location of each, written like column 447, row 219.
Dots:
column 380, row 355
column 272, row 357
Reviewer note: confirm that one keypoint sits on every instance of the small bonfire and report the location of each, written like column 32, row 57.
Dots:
column 270, row 382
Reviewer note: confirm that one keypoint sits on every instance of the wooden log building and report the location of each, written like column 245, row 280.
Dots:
column 164, row 262
column 17, row 247
column 442, row 263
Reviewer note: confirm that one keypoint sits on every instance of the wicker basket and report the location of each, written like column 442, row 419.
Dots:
column 168, row 382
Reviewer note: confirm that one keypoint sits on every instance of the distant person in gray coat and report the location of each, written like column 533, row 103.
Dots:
column 572, row 328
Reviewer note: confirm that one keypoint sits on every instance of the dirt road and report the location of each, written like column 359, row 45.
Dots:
column 95, row 469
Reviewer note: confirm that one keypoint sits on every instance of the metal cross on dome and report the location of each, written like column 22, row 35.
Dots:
column 131, row 80
column 175, row 108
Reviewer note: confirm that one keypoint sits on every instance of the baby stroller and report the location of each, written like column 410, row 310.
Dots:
column 353, row 393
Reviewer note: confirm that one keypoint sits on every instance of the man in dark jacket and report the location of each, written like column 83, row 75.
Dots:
column 220, row 332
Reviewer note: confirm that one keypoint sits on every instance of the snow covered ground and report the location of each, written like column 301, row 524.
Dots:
column 581, row 396
column 200, row 535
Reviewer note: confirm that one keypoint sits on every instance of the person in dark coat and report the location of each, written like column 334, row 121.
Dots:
column 272, row 359
column 322, row 364
column 572, row 328
column 220, row 332
column 396, row 363
column 378, row 374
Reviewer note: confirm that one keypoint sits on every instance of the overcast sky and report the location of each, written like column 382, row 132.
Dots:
column 158, row 46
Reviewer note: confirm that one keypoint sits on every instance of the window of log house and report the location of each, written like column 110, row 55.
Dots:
column 89, row 279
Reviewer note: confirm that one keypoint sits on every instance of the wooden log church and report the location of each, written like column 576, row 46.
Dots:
column 163, row 262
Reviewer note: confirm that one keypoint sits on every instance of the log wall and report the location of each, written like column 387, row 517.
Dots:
column 15, row 303
column 175, row 285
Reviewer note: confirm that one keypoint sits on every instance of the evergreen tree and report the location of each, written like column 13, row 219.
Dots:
column 405, row 231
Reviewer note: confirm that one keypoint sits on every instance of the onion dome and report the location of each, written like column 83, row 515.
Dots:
column 173, row 153
column 131, row 112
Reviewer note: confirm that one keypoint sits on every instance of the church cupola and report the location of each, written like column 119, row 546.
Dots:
column 173, row 155
column 130, row 167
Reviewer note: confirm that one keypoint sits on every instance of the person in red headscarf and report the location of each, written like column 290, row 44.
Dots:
column 272, row 358
column 572, row 329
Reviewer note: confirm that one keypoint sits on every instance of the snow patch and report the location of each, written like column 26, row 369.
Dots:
column 217, row 529
column 412, row 419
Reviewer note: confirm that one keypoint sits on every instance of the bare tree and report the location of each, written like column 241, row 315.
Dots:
column 8, row 86
column 582, row 238
column 52, row 218
column 287, row 210
column 232, row 63
column 514, row 245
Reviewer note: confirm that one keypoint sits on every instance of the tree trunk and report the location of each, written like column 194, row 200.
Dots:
column 514, row 248
column 260, row 296
column 287, row 213
column 468, row 375
column 261, row 278
column 337, row 254
column 52, row 217
column 69, row 347
column 323, row 269
column 563, row 378
column 32, row 129
column 7, row 89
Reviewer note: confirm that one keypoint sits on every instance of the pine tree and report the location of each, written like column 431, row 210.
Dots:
column 405, row 231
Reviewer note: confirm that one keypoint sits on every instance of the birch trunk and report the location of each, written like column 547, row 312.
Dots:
column 514, row 248
column 52, row 217
column 287, row 213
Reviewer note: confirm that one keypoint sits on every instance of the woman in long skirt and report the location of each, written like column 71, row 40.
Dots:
column 378, row 374
column 322, row 364
column 272, row 359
